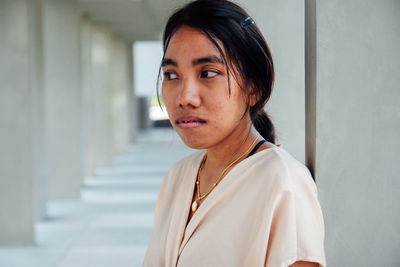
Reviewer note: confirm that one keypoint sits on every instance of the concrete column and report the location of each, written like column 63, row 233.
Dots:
column 37, row 83
column 101, row 59
column 63, row 98
column 106, row 83
column 310, row 82
column 20, row 121
column 88, row 96
column 133, row 117
column 282, row 23
column 353, row 71
column 120, row 94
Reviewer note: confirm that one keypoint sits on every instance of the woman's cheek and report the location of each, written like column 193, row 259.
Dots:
column 218, row 110
column 167, row 95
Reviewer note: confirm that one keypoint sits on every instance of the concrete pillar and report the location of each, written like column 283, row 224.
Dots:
column 88, row 96
column 310, row 82
column 107, row 88
column 133, row 117
column 20, row 120
column 282, row 23
column 101, row 60
column 36, row 35
column 63, row 98
column 353, row 63
column 120, row 94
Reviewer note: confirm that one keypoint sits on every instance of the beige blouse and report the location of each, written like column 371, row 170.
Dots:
column 264, row 212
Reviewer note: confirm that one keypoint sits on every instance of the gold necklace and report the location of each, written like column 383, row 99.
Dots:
column 196, row 202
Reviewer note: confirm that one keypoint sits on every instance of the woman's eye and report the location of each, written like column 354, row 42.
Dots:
column 170, row 75
column 208, row 74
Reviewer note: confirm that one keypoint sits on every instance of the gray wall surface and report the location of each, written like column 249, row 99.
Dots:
column 282, row 23
column 357, row 128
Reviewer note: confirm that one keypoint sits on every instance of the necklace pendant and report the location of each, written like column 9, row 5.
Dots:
column 195, row 205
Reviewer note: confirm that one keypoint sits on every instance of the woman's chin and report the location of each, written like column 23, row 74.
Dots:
column 192, row 142
column 195, row 146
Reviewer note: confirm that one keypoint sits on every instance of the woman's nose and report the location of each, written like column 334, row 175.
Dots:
column 189, row 95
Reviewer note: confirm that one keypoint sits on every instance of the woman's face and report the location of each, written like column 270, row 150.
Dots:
column 196, row 93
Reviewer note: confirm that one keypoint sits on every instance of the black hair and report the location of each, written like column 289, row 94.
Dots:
column 244, row 51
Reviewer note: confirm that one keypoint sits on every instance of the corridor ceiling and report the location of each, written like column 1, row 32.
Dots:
column 136, row 20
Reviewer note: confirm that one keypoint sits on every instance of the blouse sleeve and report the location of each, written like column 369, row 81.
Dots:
column 297, row 227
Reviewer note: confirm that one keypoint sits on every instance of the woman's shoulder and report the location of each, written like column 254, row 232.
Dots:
column 286, row 171
column 296, row 213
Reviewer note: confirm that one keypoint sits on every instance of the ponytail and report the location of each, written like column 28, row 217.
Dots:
column 264, row 126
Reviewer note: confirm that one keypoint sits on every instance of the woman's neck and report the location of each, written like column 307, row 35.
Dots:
column 222, row 154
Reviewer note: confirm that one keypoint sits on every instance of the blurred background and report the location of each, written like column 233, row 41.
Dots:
column 84, row 145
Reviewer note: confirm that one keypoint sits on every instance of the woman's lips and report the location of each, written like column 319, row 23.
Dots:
column 190, row 122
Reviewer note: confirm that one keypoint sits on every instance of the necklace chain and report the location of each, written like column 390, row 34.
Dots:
column 196, row 202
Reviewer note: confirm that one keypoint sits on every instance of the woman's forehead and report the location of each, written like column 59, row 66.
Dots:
column 192, row 42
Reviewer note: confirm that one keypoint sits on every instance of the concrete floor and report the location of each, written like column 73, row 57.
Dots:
column 112, row 223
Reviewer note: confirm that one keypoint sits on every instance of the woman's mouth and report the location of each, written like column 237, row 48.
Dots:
column 190, row 122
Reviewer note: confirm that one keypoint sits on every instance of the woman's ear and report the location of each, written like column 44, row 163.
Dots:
column 254, row 96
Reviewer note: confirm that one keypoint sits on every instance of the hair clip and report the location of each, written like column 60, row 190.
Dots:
column 246, row 22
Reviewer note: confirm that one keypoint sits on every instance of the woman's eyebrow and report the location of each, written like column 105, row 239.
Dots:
column 197, row 61
column 207, row 59
column 168, row 61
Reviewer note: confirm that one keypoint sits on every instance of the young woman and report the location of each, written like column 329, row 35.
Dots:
column 240, row 200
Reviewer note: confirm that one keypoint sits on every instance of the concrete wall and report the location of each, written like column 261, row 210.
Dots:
column 357, row 128
column 20, row 79
column 62, row 98
column 282, row 23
